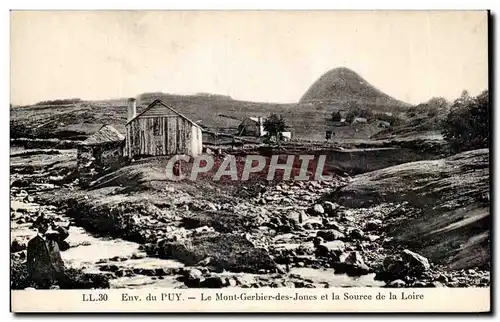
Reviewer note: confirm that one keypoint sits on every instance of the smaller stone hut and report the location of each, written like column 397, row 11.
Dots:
column 102, row 151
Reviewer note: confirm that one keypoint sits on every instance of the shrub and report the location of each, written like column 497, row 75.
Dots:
column 430, row 109
column 336, row 117
column 467, row 125
column 355, row 110
column 394, row 120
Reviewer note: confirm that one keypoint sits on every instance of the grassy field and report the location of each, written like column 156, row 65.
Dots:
column 76, row 121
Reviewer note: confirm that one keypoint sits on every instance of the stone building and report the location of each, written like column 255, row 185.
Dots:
column 100, row 152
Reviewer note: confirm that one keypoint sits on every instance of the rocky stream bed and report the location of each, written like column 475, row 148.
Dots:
column 287, row 235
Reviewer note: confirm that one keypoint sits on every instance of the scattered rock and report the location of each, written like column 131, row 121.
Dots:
column 317, row 210
column 302, row 216
column 330, row 235
column 418, row 263
column 193, row 277
column 356, row 234
column 331, row 224
column 109, row 268
column 373, row 225
column 372, row 238
column 330, row 207
column 213, row 282
column 408, row 264
column 332, row 249
column 436, row 284
column 17, row 246
column 231, row 252
column 231, row 282
column 138, row 255
column 353, row 265
column 397, row 283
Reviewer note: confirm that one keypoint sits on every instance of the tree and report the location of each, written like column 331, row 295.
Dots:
column 356, row 110
column 467, row 125
column 438, row 102
column 431, row 108
column 336, row 117
column 274, row 125
column 351, row 115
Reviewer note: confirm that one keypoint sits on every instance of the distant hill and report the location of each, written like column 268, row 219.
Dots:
column 342, row 85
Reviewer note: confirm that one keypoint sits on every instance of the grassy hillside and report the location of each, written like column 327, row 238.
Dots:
column 76, row 121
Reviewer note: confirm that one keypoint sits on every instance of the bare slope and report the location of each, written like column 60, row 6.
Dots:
column 344, row 85
column 446, row 216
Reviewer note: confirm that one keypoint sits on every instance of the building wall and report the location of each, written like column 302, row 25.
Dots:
column 152, row 135
column 196, row 142
column 93, row 159
column 252, row 128
column 109, row 156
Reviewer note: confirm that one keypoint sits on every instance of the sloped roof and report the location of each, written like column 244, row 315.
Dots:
column 156, row 102
column 105, row 134
column 255, row 120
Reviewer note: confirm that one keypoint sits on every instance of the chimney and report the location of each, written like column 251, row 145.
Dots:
column 131, row 109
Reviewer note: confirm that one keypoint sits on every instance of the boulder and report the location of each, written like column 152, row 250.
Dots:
column 317, row 210
column 193, row 277
column 336, row 245
column 231, row 252
column 352, row 264
column 330, row 207
column 372, row 238
column 373, row 225
column 221, row 221
column 332, row 224
column 330, row 235
column 356, row 234
column 417, row 263
column 397, row 283
column 436, row 284
column 408, row 264
column 213, row 282
column 302, row 217
column 313, row 223
column 332, row 249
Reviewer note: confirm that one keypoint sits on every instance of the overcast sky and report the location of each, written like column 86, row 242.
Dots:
column 257, row 56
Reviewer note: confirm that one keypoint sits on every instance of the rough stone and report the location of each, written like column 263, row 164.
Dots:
column 193, row 277
column 356, row 234
column 418, row 263
column 353, row 264
column 330, row 235
column 318, row 209
column 373, row 225
column 213, row 282
column 231, row 252
column 397, row 283
column 17, row 246
column 330, row 207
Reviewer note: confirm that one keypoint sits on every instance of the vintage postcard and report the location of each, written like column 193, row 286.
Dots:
column 249, row 161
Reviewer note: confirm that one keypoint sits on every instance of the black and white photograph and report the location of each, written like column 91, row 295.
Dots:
column 249, row 150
